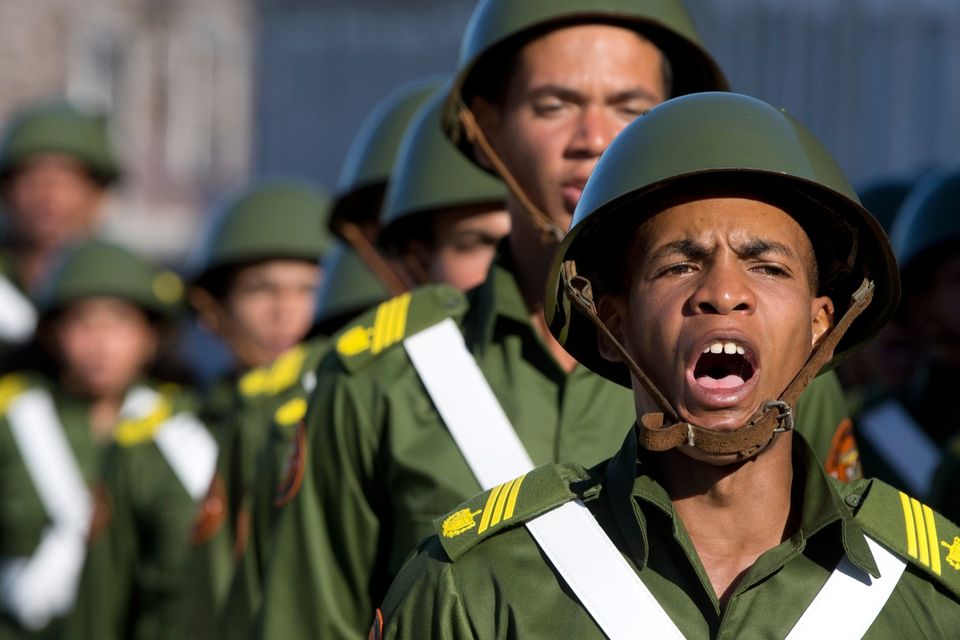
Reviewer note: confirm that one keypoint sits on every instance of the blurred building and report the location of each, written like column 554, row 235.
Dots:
column 176, row 77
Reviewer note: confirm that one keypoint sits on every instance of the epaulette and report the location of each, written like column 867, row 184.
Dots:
column 278, row 376
column 11, row 385
column 389, row 323
column 503, row 507
column 911, row 530
column 134, row 431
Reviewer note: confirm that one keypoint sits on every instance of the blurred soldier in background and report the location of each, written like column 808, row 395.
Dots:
column 101, row 318
column 256, row 288
column 381, row 463
column 56, row 163
column 443, row 218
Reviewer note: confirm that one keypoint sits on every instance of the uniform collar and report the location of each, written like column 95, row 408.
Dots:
column 632, row 490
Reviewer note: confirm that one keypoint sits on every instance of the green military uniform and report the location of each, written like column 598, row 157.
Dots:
column 273, row 220
column 482, row 575
column 467, row 583
column 24, row 517
column 154, row 475
column 48, row 507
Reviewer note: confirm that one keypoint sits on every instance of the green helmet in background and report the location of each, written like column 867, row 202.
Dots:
column 727, row 144
column 431, row 175
column 884, row 198
column 496, row 23
column 266, row 221
column 98, row 268
column 58, row 128
column 349, row 288
column 366, row 169
column 928, row 219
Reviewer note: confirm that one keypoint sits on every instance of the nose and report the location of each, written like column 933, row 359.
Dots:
column 723, row 289
column 595, row 131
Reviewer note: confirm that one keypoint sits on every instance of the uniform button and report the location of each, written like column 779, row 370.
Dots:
column 852, row 500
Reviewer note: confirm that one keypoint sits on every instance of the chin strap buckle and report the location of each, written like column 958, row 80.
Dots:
column 784, row 417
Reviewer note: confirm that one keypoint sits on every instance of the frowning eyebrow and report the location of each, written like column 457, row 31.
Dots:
column 752, row 249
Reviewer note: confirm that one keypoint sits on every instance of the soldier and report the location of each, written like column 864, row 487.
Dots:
column 56, row 163
column 256, row 288
column 445, row 217
column 381, row 462
column 717, row 261
column 101, row 316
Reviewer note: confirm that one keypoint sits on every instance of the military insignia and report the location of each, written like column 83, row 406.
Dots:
column 211, row 514
column 921, row 532
column 281, row 375
column 500, row 503
column 843, row 459
column 389, row 326
column 459, row 522
column 376, row 629
column 291, row 412
column 291, row 477
column 953, row 552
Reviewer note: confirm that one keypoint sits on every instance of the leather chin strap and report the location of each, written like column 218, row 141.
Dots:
column 395, row 282
column 549, row 230
column 663, row 431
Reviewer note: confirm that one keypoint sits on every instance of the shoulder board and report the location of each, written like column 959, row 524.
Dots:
column 913, row 531
column 280, row 375
column 139, row 429
column 11, row 386
column 504, row 507
column 389, row 323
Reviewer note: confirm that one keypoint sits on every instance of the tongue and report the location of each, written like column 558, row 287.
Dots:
column 727, row 382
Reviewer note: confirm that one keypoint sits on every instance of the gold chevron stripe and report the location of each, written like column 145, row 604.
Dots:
column 512, row 500
column 932, row 539
column 379, row 324
column 400, row 322
column 921, row 532
column 501, row 502
column 908, row 524
column 488, row 509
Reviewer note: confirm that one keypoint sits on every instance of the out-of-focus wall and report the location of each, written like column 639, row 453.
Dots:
column 176, row 78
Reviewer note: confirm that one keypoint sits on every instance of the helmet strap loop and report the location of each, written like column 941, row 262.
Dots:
column 548, row 229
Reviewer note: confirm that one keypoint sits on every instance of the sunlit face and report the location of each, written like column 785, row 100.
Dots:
column 271, row 303
column 464, row 244
column 53, row 201
column 104, row 345
column 571, row 91
column 719, row 310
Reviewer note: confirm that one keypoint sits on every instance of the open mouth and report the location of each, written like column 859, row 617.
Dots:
column 723, row 365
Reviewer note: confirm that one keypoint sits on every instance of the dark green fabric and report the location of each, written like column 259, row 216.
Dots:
column 504, row 588
column 135, row 568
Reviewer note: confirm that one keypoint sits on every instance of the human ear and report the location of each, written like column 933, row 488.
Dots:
column 612, row 312
column 821, row 317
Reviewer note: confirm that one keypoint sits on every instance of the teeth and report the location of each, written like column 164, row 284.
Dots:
column 729, row 348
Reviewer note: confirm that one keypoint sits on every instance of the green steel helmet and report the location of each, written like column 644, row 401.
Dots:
column 720, row 144
column 62, row 129
column 271, row 220
column 366, row 169
column 349, row 288
column 498, row 23
column 431, row 175
column 884, row 198
column 928, row 219
column 100, row 268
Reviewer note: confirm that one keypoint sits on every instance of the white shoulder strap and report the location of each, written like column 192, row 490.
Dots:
column 37, row 588
column 851, row 599
column 581, row 552
column 184, row 441
column 902, row 443
column 18, row 317
column 191, row 452
column 467, row 405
